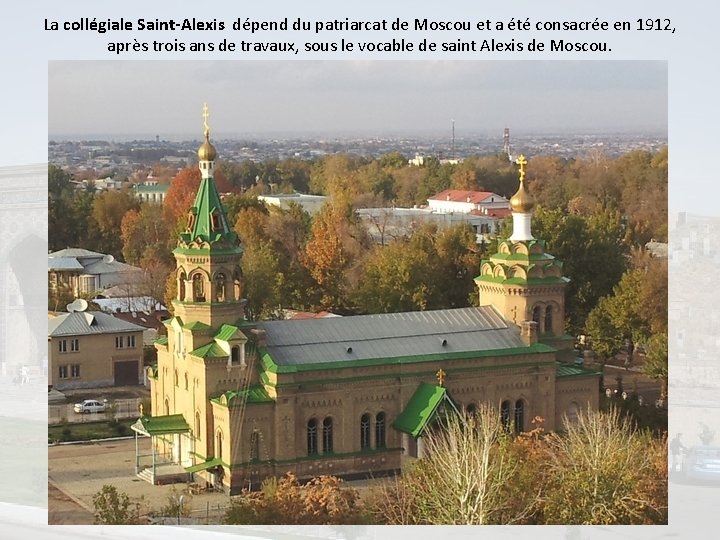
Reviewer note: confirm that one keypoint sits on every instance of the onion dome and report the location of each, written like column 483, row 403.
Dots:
column 522, row 201
column 207, row 151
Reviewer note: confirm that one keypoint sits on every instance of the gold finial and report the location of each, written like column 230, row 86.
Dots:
column 522, row 201
column 522, row 162
column 440, row 376
column 207, row 151
column 206, row 115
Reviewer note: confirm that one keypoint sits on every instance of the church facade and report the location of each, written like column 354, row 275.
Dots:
column 235, row 401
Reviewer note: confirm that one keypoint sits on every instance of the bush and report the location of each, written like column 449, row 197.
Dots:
column 113, row 508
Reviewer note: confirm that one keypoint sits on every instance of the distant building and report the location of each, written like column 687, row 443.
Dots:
column 81, row 272
column 90, row 349
column 455, row 200
column 310, row 203
column 387, row 224
column 151, row 192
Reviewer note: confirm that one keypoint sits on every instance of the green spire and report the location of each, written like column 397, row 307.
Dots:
column 207, row 224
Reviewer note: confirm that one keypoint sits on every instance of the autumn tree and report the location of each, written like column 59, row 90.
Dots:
column 109, row 208
column 608, row 470
column 462, row 480
column 322, row 501
column 332, row 254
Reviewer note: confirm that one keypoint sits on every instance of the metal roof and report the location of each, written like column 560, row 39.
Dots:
column 389, row 335
column 74, row 252
column 64, row 263
column 85, row 323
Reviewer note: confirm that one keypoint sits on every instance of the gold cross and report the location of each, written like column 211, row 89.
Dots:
column 440, row 375
column 206, row 115
column 522, row 162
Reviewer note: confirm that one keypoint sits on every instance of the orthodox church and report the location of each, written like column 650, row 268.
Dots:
column 235, row 401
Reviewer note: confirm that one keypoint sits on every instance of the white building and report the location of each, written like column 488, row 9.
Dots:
column 454, row 200
column 310, row 203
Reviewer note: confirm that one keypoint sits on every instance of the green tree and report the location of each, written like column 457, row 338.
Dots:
column 262, row 281
column 114, row 508
column 109, row 208
column 593, row 255
column 656, row 361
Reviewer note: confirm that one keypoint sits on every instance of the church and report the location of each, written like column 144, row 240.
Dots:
column 235, row 401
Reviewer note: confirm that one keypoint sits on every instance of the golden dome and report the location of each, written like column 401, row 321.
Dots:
column 522, row 201
column 207, row 151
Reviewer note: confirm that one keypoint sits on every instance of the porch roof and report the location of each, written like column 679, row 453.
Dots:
column 204, row 465
column 160, row 425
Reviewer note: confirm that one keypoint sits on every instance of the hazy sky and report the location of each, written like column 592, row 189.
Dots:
column 369, row 97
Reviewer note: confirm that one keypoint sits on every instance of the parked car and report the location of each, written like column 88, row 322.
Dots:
column 90, row 406
column 702, row 463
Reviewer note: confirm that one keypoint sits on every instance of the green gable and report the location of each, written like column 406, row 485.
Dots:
column 419, row 409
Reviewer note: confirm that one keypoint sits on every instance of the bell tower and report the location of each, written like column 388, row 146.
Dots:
column 208, row 253
column 523, row 282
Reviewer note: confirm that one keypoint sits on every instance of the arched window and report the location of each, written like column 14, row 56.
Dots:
column 235, row 354
column 519, row 416
column 471, row 409
column 536, row 316
column 549, row 320
column 312, row 447
column 220, row 287
column 219, row 444
column 177, row 382
column 505, row 414
column 167, row 406
column 197, row 424
column 380, row 430
column 198, row 288
column 237, row 286
column 572, row 413
column 187, row 382
column 181, row 286
column 255, row 446
column 364, row 431
column 327, row 435
column 215, row 218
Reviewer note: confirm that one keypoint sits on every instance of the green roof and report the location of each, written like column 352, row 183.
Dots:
column 209, row 464
column 161, row 425
column 226, row 332
column 197, row 325
column 570, row 370
column 161, row 340
column 253, row 394
column 211, row 350
column 419, row 409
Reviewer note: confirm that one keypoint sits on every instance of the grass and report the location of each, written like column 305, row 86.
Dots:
column 90, row 430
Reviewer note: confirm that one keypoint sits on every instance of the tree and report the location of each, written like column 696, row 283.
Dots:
column 263, row 281
column 593, row 255
column 656, row 361
column 462, row 479
column 636, row 309
column 333, row 254
column 322, row 501
column 601, row 471
column 114, row 508
column 109, row 208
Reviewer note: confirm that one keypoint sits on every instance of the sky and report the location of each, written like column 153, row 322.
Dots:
column 133, row 98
